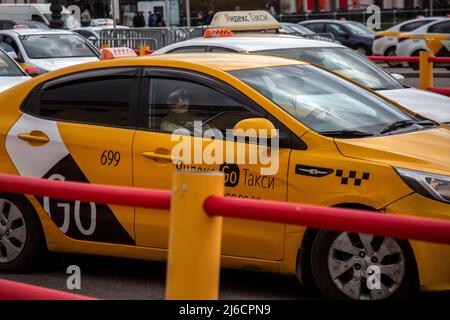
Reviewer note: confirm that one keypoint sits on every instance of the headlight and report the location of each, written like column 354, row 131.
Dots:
column 434, row 186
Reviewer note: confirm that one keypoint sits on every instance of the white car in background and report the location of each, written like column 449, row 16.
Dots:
column 335, row 57
column 385, row 43
column 10, row 72
column 433, row 37
column 47, row 50
column 93, row 33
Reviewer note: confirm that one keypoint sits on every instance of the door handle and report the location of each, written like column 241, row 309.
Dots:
column 157, row 156
column 34, row 138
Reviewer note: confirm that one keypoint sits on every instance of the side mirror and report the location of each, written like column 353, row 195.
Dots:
column 255, row 128
column 31, row 71
column 398, row 77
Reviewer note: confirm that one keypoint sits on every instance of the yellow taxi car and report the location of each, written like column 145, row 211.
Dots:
column 111, row 122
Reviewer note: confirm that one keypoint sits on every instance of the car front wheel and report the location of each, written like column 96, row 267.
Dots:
column 362, row 267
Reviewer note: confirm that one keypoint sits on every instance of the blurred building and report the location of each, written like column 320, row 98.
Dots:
column 291, row 6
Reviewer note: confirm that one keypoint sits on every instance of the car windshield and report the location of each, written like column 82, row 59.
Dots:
column 322, row 101
column 359, row 29
column 56, row 46
column 301, row 29
column 8, row 68
column 346, row 62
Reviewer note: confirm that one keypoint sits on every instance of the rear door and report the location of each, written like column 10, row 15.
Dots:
column 438, row 39
column 81, row 128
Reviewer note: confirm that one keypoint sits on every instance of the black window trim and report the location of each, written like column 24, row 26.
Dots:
column 437, row 24
column 213, row 83
column 124, row 72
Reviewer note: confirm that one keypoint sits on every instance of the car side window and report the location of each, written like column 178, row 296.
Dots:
column 443, row 27
column 9, row 45
column 220, row 49
column 180, row 104
column 413, row 25
column 336, row 30
column 102, row 100
column 188, row 50
column 316, row 27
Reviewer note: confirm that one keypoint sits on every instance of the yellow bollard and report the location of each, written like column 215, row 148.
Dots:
column 426, row 70
column 193, row 265
column 143, row 50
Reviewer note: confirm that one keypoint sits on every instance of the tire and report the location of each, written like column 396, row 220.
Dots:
column 415, row 65
column 362, row 49
column 326, row 261
column 391, row 53
column 21, row 237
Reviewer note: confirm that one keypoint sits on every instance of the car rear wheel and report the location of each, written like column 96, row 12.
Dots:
column 391, row 53
column 362, row 49
column 20, row 234
column 362, row 267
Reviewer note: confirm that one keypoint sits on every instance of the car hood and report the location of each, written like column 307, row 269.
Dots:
column 424, row 150
column 429, row 104
column 58, row 63
column 9, row 82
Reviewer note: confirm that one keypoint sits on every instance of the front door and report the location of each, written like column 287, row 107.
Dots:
column 194, row 104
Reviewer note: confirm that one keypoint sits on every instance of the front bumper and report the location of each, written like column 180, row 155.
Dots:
column 433, row 260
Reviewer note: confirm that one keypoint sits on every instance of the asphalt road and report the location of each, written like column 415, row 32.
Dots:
column 113, row 278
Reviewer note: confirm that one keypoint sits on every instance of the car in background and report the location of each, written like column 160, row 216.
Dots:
column 47, row 50
column 433, row 37
column 334, row 57
column 39, row 12
column 93, row 33
column 7, row 24
column 352, row 34
column 102, row 22
column 385, row 43
column 299, row 30
column 10, row 72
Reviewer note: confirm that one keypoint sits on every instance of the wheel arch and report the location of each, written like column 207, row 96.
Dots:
column 303, row 263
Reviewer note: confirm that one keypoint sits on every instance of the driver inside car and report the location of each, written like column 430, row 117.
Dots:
column 178, row 103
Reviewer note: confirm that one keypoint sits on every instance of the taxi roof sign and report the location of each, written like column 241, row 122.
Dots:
column 20, row 27
column 116, row 53
column 244, row 20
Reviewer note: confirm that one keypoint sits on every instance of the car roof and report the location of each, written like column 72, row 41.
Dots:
column 250, row 43
column 27, row 32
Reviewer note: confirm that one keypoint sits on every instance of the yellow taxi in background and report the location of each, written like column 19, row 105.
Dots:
column 337, row 144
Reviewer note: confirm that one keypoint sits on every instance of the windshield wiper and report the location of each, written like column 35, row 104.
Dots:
column 397, row 125
column 346, row 133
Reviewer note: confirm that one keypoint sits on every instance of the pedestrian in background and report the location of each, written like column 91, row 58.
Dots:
column 139, row 20
column 85, row 18
column 209, row 17
column 151, row 19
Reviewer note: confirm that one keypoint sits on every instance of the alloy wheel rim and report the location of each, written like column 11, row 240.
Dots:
column 13, row 231
column 366, row 267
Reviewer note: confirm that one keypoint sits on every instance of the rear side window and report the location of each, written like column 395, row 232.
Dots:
column 443, row 27
column 413, row 25
column 100, row 101
column 316, row 27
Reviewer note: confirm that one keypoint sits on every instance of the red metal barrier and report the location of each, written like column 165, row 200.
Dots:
column 86, row 192
column 408, row 59
column 338, row 219
column 10, row 290
column 391, row 58
column 443, row 91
